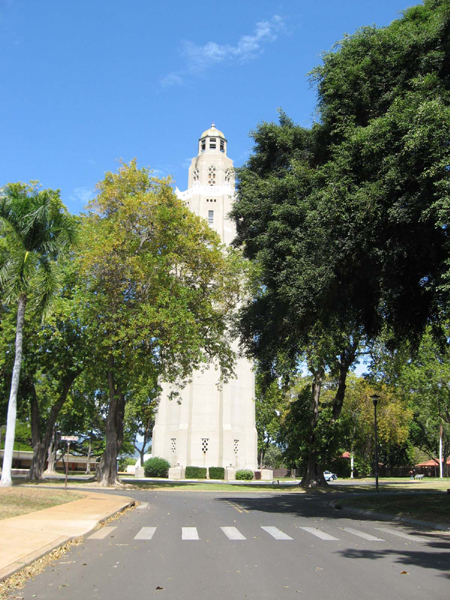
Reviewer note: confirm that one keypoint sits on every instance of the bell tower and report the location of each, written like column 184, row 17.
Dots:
column 210, row 427
column 211, row 183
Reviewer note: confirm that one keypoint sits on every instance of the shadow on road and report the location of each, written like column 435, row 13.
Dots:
column 436, row 554
column 439, row 561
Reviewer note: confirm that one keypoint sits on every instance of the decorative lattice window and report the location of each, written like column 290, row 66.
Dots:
column 229, row 175
column 174, row 444
column 212, row 175
column 236, row 447
column 196, row 175
column 205, row 444
column 222, row 146
column 211, row 199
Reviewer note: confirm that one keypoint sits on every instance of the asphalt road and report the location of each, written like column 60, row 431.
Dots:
column 287, row 546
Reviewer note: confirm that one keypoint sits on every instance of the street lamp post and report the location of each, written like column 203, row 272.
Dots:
column 375, row 398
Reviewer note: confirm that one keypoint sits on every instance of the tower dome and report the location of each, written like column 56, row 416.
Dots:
column 212, row 140
column 213, row 132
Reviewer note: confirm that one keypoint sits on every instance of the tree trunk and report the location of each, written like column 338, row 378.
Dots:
column 347, row 359
column 51, row 457
column 6, row 480
column 88, row 462
column 36, row 472
column 41, row 443
column 107, row 468
column 142, row 454
column 313, row 476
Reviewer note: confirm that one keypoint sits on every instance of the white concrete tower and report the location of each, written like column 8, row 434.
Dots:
column 210, row 427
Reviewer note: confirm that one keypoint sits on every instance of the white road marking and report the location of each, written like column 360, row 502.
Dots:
column 363, row 535
column 320, row 534
column 146, row 533
column 142, row 505
column 189, row 533
column 276, row 533
column 407, row 536
column 232, row 533
column 101, row 533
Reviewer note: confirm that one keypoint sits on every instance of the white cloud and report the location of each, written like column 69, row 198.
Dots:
column 171, row 79
column 82, row 194
column 248, row 47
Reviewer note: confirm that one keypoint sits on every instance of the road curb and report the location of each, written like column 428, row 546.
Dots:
column 386, row 517
column 17, row 566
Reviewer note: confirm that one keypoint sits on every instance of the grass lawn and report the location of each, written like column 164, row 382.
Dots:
column 15, row 501
column 212, row 487
column 426, row 507
column 396, row 484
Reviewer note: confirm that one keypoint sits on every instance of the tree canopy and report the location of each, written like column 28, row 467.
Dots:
column 347, row 221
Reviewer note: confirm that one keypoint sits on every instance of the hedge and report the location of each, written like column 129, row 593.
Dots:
column 195, row 473
column 216, row 473
column 244, row 474
column 156, row 467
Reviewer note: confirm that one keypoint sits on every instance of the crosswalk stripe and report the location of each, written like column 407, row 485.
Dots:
column 407, row 536
column 146, row 533
column 320, row 534
column 189, row 533
column 276, row 533
column 232, row 533
column 101, row 533
column 363, row 535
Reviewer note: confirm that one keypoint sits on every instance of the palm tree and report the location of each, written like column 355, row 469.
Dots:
column 38, row 230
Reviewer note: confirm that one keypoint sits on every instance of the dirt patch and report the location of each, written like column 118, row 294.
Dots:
column 15, row 501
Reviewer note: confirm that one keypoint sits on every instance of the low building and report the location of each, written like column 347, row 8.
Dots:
column 22, row 460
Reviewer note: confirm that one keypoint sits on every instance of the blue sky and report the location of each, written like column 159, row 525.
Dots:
column 86, row 82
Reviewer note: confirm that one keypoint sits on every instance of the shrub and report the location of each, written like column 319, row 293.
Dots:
column 216, row 473
column 156, row 467
column 195, row 473
column 244, row 474
column 125, row 461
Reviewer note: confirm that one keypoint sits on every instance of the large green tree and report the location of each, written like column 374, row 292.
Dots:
column 423, row 375
column 348, row 220
column 38, row 230
column 159, row 294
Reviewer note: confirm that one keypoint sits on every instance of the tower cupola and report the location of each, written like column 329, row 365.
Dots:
column 212, row 140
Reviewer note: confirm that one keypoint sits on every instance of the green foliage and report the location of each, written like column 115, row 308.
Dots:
column 159, row 293
column 195, row 473
column 156, row 467
column 38, row 230
column 216, row 473
column 125, row 461
column 423, row 376
column 273, row 457
column 330, row 436
column 347, row 221
column 244, row 475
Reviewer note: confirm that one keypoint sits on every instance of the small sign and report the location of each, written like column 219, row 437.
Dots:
column 69, row 438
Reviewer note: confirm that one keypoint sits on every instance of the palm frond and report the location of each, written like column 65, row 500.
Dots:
column 46, row 285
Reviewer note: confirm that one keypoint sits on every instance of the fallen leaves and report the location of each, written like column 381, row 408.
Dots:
column 18, row 580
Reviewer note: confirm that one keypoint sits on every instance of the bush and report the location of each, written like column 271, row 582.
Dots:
column 124, row 461
column 156, row 467
column 216, row 473
column 244, row 474
column 195, row 473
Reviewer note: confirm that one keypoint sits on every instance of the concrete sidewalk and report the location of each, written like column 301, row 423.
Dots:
column 28, row 537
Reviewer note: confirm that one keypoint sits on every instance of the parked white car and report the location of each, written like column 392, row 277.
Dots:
column 329, row 476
